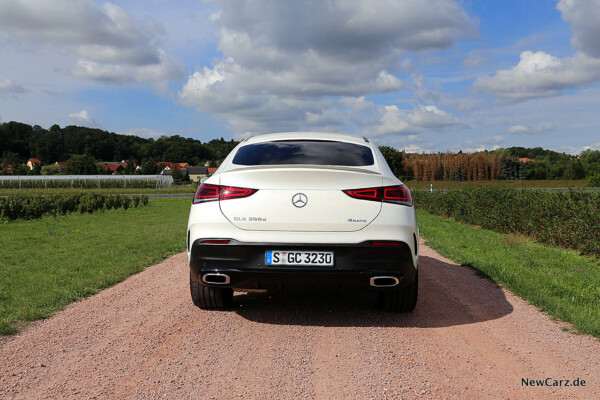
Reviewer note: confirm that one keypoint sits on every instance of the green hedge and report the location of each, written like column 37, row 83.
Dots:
column 32, row 207
column 80, row 183
column 567, row 219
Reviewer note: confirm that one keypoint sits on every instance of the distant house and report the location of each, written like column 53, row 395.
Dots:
column 7, row 168
column 121, row 163
column 525, row 160
column 212, row 171
column 197, row 173
column 32, row 162
column 113, row 168
column 169, row 166
column 62, row 165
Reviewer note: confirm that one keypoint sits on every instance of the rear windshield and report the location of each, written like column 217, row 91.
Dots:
column 315, row 152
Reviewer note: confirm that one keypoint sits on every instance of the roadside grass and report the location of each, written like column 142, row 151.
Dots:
column 559, row 282
column 48, row 263
column 524, row 184
column 39, row 191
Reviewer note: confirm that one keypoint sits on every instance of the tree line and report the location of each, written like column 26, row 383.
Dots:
column 503, row 163
column 82, row 147
column 19, row 142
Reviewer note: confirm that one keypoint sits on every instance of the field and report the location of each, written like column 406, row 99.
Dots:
column 39, row 191
column 523, row 184
column 48, row 263
column 569, row 219
column 413, row 185
column 560, row 282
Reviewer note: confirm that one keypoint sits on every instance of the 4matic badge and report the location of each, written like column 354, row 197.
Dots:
column 356, row 220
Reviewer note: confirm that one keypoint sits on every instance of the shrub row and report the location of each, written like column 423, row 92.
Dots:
column 32, row 207
column 80, row 183
column 568, row 219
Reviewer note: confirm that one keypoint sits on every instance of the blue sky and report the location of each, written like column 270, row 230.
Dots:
column 420, row 75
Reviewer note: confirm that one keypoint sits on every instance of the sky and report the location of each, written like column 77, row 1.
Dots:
column 418, row 75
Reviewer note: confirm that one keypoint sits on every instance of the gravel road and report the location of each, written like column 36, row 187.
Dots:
column 144, row 339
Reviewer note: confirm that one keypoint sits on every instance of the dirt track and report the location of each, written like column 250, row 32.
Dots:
column 143, row 338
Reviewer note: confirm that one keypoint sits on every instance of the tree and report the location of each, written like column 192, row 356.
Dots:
column 393, row 158
column 37, row 169
column 574, row 170
column 10, row 160
column 176, row 174
column 130, row 168
column 151, row 168
column 51, row 169
column 81, row 165
column 590, row 159
column 459, row 176
column 512, row 168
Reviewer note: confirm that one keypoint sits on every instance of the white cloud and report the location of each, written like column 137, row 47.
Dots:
column 378, row 120
column 538, row 128
column 83, row 118
column 285, row 62
column 143, row 133
column 474, row 59
column 419, row 119
column 578, row 150
column 496, row 139
column 585, row 23
column 470, row 146
column 112, row 46
column 539, row 74
column 8, row 86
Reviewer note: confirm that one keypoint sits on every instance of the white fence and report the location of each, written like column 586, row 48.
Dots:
column 85, row 181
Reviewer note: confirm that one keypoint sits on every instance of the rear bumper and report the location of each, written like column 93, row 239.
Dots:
column 354, row 266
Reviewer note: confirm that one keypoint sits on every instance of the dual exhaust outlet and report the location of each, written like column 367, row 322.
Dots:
column 384, row 281
column 215, row 278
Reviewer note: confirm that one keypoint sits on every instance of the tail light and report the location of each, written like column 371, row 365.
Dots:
column 388, row 194
column 207, row 192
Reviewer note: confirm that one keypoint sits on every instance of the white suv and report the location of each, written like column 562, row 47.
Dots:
column 303, row 210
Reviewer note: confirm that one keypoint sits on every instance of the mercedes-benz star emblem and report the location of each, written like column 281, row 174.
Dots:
column 299, row 200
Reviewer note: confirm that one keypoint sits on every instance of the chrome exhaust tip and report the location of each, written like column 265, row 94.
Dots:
column 215, row 278
column 384, row 281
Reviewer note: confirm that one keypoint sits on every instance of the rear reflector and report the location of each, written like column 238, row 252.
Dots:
column 384, row 244
column 398, row 194
column 208, row 192
column 215, row 241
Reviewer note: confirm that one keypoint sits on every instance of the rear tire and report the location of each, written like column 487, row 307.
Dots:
column 210, row 298
column 401, row 300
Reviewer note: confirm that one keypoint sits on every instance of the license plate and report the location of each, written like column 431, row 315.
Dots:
column 277, row 257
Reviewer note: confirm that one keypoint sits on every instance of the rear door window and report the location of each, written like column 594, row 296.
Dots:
column 314, row 152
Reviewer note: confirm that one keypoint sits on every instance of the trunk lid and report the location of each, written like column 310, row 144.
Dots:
column 300, row 199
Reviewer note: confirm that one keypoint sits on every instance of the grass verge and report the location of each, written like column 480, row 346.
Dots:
column 48, row 263
column 560, row 282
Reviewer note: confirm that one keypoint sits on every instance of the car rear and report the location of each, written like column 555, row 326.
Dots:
column 302, row 211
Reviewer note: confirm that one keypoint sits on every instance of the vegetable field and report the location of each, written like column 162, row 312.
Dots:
column 85, row 181
column 33, row 207
column 567, row 219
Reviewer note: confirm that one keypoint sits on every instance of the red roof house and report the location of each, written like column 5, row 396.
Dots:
column 32, row 162
column 526, row 160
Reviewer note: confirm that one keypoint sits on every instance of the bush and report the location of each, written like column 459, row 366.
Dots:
column 594, row 181
column 568, row 219
column 33, row 207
